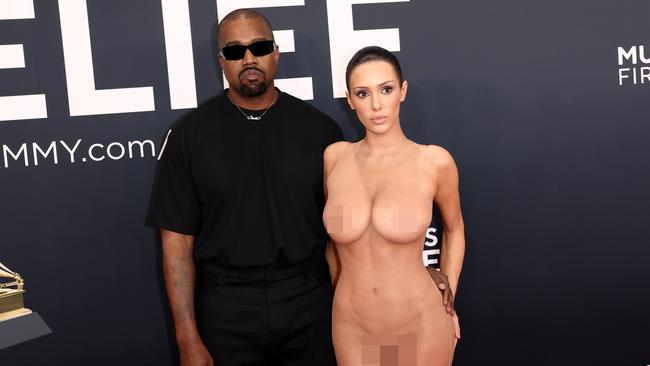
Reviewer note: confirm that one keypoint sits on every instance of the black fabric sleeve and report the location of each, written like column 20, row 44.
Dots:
column 174, row 204
column 336, row 134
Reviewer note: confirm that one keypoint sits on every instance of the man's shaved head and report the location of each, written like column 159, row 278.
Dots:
column 242, row 14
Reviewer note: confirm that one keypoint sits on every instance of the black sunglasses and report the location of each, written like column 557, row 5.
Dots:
column 237, row 52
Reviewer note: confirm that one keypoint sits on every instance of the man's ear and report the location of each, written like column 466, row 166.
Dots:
column 276, row 53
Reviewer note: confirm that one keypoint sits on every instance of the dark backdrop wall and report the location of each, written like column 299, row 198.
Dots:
column 544, row 104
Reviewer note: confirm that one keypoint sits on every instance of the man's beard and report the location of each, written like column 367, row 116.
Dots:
column 253, row 90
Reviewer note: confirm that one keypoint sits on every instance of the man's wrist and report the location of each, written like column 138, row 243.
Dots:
column 188, row 343
column 187, row 337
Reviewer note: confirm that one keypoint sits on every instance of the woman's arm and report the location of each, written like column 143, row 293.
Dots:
column 447, row 199
column 329, row 160
column 333, row 262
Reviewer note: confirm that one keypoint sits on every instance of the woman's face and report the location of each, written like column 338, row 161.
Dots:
column 376, row 94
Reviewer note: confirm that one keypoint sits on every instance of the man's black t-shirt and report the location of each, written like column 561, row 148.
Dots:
column 250, row 192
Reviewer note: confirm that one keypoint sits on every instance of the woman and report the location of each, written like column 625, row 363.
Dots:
column 379, row 194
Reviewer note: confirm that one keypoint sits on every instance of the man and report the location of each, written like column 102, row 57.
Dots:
column 238, row 200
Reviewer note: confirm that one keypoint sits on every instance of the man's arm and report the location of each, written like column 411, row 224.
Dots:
column 441, row 280
column 180, row 274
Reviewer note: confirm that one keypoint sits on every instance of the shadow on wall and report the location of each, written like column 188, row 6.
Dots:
column 351, row 121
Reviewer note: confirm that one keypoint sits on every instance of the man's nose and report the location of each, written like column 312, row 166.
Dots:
column 249, row 58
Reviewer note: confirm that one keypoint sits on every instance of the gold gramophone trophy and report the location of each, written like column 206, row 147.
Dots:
column 11, row 295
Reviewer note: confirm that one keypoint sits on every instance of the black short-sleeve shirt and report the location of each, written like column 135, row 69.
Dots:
column 250, row 192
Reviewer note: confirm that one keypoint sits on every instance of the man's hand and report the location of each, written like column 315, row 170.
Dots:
column 442, row 282
column 195, row 354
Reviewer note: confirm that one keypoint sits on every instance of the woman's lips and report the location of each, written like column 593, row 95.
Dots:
column 378, row 119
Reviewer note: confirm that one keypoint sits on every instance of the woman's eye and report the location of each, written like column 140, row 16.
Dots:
column 362, row 94
column 387, row 90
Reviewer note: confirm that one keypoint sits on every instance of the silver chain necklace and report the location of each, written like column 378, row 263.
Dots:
column 250, row 117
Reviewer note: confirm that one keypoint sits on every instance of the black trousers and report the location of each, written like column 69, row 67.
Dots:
column 273, row 316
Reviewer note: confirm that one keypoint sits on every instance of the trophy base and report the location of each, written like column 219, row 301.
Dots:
column 21, row 329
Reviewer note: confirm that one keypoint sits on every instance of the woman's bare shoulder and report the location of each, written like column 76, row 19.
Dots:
column 333, row 151
column 437, row 156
